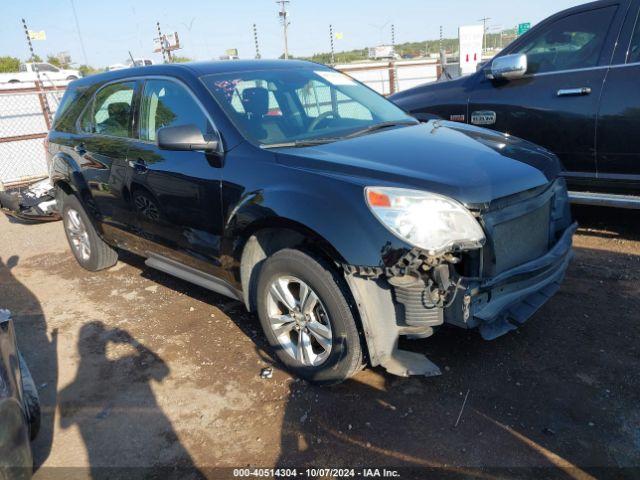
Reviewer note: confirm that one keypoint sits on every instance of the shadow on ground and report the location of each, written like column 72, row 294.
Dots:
column 112, row 392
column 39, row 346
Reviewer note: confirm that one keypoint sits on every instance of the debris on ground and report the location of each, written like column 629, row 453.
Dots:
column 32, row 203
column 266, row 373
column 462, row 408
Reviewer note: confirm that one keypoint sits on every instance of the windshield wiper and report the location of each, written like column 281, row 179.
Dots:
column 380, row 126
column 322, row 140
column 302, row 143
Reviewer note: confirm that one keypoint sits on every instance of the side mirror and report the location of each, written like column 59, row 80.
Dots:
column 185, row 138
column 509, row 67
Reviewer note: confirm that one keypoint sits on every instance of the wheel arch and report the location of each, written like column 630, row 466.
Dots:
column 266, row 238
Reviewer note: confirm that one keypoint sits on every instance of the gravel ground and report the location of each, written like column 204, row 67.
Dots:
column 137, row 370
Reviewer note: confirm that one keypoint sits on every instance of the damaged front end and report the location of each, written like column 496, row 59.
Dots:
column 495, row 288
column 31, row 203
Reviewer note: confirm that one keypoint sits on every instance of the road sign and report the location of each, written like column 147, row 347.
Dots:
column 470, row 37
column 169, row 41
column 41, row 35
column 523, row 28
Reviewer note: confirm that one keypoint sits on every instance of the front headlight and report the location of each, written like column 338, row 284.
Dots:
column 433, row 222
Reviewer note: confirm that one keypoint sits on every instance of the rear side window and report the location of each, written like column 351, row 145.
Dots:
column 72, row 103
column 573, row 42
column 112, row 111
column 634, row 48
column 168, row 104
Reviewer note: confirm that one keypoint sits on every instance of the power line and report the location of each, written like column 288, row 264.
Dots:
column 284, row 19
column 75, row 16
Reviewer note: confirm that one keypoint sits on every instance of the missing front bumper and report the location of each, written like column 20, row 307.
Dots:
column 502, row 303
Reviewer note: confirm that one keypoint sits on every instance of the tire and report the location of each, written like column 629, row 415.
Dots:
column 331, row 316
column 99, row 255
column 71, row 78
column 31, row 399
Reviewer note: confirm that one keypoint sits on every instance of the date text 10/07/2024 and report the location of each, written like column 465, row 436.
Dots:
column 285, row 473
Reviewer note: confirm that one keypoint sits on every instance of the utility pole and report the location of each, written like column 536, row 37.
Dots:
column 164, row 58
column 484, row 32
column 393, row 37
column 284, row 19
column 333, row 54
column 44, row 103
column 441, row 37
column 255, row 39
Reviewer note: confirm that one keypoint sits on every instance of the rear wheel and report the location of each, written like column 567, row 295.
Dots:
column 303, row 309
column 91, row 252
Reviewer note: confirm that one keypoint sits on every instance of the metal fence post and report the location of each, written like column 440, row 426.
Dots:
column 393, row 74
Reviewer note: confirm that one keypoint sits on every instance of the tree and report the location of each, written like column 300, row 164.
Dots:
column 179, row 59
column 61, row 60
column 9, row 64
column 86, row 70
column 55, row 61
column 35, row 58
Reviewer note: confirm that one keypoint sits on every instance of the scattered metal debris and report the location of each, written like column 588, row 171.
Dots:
column 462, row 408
column 266, row 373
column 32, row 203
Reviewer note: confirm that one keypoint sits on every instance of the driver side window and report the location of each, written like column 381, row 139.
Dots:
column 167, row 104
column 570, row 43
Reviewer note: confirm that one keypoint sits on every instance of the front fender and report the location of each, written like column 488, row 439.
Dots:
column 338, row 216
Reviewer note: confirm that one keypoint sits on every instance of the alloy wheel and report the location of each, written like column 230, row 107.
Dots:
column 299, row 321
column 78, row 234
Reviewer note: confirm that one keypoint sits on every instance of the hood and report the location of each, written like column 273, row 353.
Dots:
column 470, row 164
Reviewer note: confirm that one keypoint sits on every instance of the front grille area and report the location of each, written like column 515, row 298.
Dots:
column 522, row 239
column 523, row 227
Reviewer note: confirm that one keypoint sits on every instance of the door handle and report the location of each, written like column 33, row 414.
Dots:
column 138, row 165
column 80, row 149
column 574, row 92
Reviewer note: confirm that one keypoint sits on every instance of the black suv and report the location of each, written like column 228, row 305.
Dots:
column 342, row 221
column 570, row 84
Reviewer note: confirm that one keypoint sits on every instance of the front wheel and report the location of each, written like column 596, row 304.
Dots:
column 304, row 312
column 91, row 252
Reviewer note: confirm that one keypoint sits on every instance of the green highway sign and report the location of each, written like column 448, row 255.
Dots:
column 523, row 28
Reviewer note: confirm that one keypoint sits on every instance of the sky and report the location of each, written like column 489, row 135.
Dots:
column 110, row 28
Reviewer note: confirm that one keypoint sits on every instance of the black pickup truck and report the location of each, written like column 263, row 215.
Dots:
column 570, row 84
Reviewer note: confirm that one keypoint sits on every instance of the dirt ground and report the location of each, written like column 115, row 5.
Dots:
column 137, row 369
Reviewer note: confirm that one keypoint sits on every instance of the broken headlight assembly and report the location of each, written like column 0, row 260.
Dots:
column 435, row 223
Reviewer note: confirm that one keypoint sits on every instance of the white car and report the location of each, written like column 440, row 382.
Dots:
column 48, row 73
column 137, row 62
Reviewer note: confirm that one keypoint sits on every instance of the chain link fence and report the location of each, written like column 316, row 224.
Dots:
column 24, row 124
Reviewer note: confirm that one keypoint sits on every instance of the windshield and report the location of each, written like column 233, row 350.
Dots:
column 273, row 107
